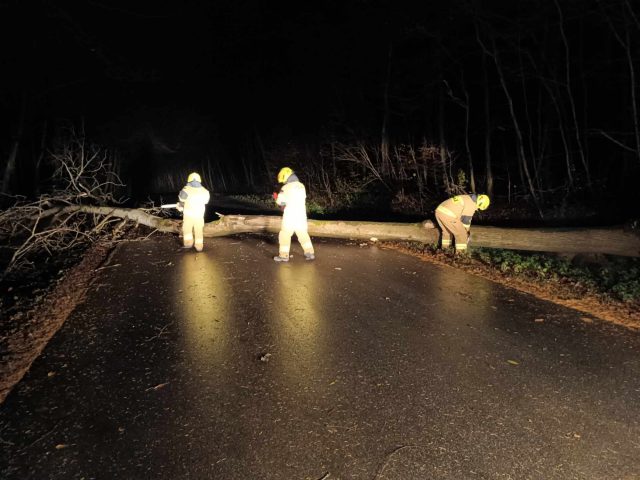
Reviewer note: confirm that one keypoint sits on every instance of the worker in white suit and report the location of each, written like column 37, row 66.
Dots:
column 192, row 200
column 292, row 197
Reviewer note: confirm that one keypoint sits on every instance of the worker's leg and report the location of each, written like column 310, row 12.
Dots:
column 187, row 231
column 461, row 235
column 284, row 240
column 305, row 242
column 198, row 227
column 443, row 221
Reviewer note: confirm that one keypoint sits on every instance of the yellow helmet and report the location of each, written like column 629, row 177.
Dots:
column 284, row 174
column 483, row 202
column 194, row 177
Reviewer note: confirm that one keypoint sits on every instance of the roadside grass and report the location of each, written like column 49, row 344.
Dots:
column 615, row 277
column 610, row 278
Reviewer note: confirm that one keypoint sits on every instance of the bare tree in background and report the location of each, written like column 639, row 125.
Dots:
column 628, row 18
column 84, row 174
column 10, row 165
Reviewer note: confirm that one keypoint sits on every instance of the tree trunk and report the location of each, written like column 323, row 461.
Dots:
column 487, row 117
column 41, row 154
column 384, row 134
column 612, row 241
column 572, row 103
column 10, row 166
column 442, row 150
column 467, row 146
column 516, row 126
column 632, row 79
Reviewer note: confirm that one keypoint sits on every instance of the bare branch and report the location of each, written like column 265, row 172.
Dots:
column 617, row 142
column 54, row 222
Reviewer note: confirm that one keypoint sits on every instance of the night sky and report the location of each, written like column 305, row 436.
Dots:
column 543, row 86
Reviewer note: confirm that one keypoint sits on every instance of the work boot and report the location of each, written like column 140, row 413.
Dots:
column 281, row 258
column 309, row 256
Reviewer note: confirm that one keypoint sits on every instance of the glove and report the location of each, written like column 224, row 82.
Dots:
column 281, row 205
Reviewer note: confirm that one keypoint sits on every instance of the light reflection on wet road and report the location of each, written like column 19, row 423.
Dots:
column 366, row 364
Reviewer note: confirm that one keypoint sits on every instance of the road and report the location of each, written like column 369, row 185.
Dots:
column 365, row 364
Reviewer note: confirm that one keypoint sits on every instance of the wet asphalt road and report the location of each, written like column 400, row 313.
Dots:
column 366, row 364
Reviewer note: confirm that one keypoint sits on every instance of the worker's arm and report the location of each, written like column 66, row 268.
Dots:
column 281, row 198
column 468, row 209
column 182, row 197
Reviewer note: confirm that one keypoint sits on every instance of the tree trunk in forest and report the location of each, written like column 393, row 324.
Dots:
column 10, row 166
column 466, row 106
column 632, row 85
column 38, row 162
column 627, row 46
column 612, row 241
column 572, row 103
column 487, row 134
column 563, row 136
column 516, row 125
column 527, row 119
column 467, row 127
column 384, row 134
column 442, row 150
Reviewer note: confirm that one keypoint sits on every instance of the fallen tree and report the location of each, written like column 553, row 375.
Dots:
column 612, row 241
column 55, row 222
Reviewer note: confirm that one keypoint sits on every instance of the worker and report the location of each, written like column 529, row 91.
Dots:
column 292, row 198
column 454, row 217
column 191, row 202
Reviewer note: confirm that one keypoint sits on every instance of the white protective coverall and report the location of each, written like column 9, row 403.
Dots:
column 293, row 197
column 193, row 198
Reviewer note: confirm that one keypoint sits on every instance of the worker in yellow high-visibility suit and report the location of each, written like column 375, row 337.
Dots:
column 454, row 218
column 292, row 197
column 192, row 200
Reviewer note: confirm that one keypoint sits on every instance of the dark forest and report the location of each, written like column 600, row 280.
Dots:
column 377, row 104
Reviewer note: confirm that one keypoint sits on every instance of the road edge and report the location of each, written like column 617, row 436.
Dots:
column 38, row 325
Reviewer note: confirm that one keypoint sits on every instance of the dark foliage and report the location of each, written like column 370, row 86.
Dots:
column 532, row 101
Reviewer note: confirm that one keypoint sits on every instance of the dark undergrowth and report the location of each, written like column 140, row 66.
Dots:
column 615, row 277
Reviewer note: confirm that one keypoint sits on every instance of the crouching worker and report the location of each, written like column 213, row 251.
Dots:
column 292, row 197
column 192, row 200
column 454, row 218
